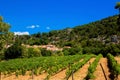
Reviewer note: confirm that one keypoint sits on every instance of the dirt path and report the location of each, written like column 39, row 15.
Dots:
column 99, row 73
column 82, row 72
column 60, row 76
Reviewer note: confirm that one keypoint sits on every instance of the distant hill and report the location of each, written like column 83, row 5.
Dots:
column 93, row 36
column 103, row 30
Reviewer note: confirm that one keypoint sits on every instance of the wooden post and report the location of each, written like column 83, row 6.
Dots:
column 72, row 75
column 103, row 71
column 0, row 76
column 32, row 74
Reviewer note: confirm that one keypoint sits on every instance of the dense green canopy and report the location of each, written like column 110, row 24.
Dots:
column 4, row 27
column 5, row 36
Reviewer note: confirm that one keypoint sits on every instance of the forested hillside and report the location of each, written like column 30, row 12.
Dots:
column 102, row 29
column 97, row 37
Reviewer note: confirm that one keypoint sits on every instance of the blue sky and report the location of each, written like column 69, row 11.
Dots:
column 45, row 15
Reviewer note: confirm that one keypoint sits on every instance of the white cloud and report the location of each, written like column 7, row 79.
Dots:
column 37, row 26
column 33, row 26
column 21, row 33
column 48, row 27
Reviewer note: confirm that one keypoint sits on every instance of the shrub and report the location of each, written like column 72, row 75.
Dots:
column 34, row 52
column 15, row 51
column 45, row 52
column 24, row 52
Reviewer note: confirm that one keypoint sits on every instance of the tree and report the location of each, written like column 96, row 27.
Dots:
column 15, row 51
column 1, row 18
column 33, row 52
column 118, row 7
column 5, row 36
column 4, row 27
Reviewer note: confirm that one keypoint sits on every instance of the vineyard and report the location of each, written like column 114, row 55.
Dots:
column 76, row 67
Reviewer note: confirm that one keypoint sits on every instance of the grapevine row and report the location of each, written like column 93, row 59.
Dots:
column 63, row 65
column 74, row 67
column 113, row 65
column 92, row 68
